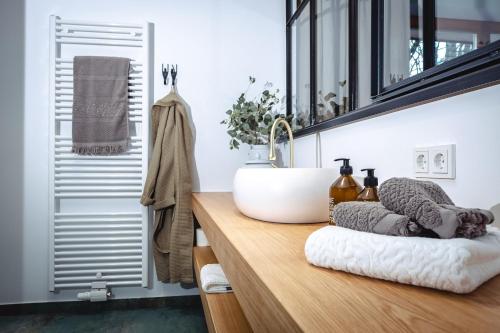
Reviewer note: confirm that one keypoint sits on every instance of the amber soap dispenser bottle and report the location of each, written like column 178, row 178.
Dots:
column 369, row 193
column 345, row 188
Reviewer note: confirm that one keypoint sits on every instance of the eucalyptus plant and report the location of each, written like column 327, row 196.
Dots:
column 250, row 120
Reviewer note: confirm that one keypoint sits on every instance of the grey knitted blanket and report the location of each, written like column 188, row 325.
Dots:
column 427, row 204
column 373, row 217
column 100, row 105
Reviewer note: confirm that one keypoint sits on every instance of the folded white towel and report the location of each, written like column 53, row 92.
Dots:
column 213, row 279
column 459, row 265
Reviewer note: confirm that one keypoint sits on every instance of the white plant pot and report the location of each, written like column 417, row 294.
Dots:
column 258, row 156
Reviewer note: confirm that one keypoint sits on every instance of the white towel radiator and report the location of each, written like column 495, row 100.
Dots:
column 98, row 229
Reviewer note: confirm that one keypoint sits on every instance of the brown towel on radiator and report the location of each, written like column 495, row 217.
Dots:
column 168, row 189
column 100, row 105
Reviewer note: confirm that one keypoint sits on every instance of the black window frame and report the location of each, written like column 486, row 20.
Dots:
column 291, row 17
column 473, row 70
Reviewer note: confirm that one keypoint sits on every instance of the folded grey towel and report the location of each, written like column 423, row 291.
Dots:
column 373, row 217
column 427, row 204
column 100, row 105
column 471, row 221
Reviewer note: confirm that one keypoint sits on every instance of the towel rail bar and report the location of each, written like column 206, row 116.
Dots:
column 63, row 151
column 122, row 264
column 77, row 42
column 96, row 227
column 70, row 93
column 100, row 169
column 131, row 76
column 73, row 157
column 102, row 30
column 94, row 162
column 92, row 278
column 131, row 119
column 68, row 107
column 68, row 138
column 66, row 144
column 96, row 259
column 60, row 22
column 97, row 239
column 96, row 176
column 96, row 218
column 100, row 246
column 84, row 189
column 69, row 66
column 60, row 98
column 68, row 112
column 111, row 214
column 132, row 80
column 70, row 61
column 97, row 182
column 95, row 271
column 75, row 34
column 99, row 195
column 89, row 284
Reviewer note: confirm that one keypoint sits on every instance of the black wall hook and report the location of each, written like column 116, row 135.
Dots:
column 164, row 72
column 173, row 74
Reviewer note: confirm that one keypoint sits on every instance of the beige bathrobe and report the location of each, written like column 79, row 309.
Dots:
column 168, row 189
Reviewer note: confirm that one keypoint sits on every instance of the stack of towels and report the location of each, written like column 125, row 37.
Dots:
column 452, row 248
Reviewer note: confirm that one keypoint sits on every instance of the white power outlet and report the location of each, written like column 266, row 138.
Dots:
column 435, row 162
column 421, row 161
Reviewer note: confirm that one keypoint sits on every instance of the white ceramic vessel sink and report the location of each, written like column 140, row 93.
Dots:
column 296, row 195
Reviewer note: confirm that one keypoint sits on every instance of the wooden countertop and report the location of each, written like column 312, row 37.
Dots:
column 279, row 291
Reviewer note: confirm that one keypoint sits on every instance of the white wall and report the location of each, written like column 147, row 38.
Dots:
column 386, row 143
column 216, row 45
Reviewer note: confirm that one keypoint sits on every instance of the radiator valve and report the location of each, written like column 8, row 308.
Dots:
column 98, row 293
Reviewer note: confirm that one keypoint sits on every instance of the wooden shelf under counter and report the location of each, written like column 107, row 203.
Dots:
column 279, row 291
column 223, row 313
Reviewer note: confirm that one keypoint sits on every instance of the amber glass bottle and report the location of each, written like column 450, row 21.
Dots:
column 369, row 193
column 345, row 188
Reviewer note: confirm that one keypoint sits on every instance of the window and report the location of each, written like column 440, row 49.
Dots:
column 351, row 59
column 301, row 69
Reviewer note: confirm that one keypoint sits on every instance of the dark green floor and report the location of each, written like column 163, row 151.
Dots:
column 179, row 314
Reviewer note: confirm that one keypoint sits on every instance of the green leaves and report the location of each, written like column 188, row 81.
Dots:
column 250, row 121
column 267, row 119
column 234, row 144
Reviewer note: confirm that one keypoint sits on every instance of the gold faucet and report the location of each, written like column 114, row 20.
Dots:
column 272, row 143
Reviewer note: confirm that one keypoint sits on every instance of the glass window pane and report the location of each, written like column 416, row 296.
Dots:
column 332, row 58
column 464, row 25
column 364, row 53
column 403, row 35
column 294, row 4
column 301, row 70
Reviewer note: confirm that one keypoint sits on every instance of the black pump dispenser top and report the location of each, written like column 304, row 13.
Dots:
column 345, row 169
column 370, row 179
